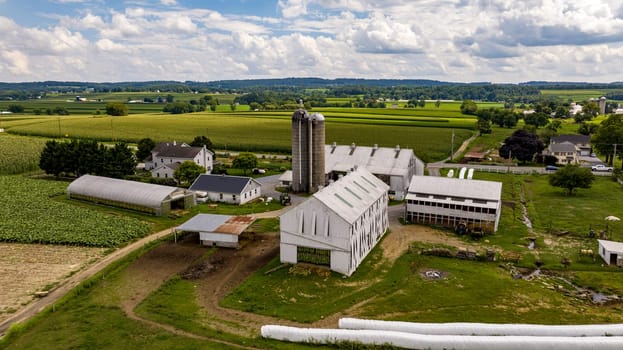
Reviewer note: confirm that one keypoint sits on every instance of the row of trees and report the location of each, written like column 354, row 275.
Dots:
column 78, row 157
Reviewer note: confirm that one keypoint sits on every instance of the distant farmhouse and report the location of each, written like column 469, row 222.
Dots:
column 149, row 198
column 337, row 226
column 451, row 202
column 167, row 156
column 227, row 189
column 569, row 149
column 394, row 166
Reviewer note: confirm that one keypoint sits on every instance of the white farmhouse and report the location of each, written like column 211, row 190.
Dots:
column 339, row 225
column 167, row 156
column 227, row 189
column 394, row 166
column 450, row 201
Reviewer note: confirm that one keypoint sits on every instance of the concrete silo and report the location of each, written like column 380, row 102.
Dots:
column 308, row 137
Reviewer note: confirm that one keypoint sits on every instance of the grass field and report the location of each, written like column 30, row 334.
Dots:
column 577, row 95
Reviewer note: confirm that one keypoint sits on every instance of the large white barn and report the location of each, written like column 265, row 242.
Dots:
column 339, row 225
column 450, row 201
column 394, row 166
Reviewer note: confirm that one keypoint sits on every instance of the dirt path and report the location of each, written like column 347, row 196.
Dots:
column 65, row 286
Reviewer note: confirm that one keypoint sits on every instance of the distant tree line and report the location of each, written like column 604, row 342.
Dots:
column 79, row 157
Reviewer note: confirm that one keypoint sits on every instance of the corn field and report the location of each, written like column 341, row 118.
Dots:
column 19, row 154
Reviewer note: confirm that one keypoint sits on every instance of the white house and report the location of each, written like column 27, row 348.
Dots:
column 394, row 166
column 450, row 201
column 611, row 252
column 163, row 157
column 339, row 225
column 218, row 230
column 227, row 189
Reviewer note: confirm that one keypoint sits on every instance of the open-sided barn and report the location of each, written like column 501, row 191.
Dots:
column 139, row 196
column 451, row 202
column 219, row 230
column 339, row 225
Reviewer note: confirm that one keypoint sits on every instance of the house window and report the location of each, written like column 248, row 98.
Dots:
column 245, row 196
column 220, row 196
column 161, row 160
column 233, row 196
column 157, row 174
column 256, row 191
column 166, row 175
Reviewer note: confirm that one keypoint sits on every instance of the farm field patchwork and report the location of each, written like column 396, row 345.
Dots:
column 30, row 215
column 243, row 132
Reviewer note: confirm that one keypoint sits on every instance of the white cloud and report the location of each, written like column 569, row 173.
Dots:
column 15, row 62
column 382, row 34
column 168, row 2
column 292, row 8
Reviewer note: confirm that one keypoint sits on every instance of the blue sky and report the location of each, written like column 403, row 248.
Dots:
column 452, row 40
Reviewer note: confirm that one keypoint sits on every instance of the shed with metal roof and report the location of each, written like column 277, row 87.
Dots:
column 144, row 197
column 339, row 225
column 611, row 252
column 218, row 230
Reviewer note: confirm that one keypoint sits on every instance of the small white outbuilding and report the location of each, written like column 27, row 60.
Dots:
column 611, row 252
column 339, row 225
column 217, row 230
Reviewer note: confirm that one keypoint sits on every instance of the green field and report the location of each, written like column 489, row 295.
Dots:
column 259, row 132
column 19, row 154
column 577, row 95
column 32, row 215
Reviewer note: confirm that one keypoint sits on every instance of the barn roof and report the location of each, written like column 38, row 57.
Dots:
column 176, row 150
column 453, row 187
column 221, row 183
column 378, row 160
column 611, row 246
column 353, row 194
column 139, row 193
column 214, row 223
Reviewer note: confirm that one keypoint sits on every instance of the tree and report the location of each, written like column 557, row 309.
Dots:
column 536, row 119
column 587, row 128
column 437, row 103
column 200, row 141
column 119, row 161
column 144, row 148
column 469, row 107
column 49, row 161
column 609, row 133
column 13, row 108
column 116, row 109
column 522, row 145
column 484, row 126
column 245, row 161
column 233, row 107
column 187, row 172
column 570, row 177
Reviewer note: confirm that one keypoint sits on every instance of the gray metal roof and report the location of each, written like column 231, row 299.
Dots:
column 350, row 196
column 221, row 183
column 143, row 194
column 565, row 146
column 453, row 187
column 176, row 150
column 217, row 224
column 611, row 246
column 379, row 160
column 573, row 138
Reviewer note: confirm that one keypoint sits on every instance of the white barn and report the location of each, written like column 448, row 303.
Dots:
column 449, row 202
column 394, row 166
column 339, row 225
column 611, row 252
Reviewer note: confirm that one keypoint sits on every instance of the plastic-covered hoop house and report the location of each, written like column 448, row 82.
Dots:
column 144, row 197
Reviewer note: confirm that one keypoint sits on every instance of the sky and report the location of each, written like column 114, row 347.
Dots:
column 499, row 41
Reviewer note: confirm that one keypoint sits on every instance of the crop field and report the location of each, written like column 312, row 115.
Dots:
column 577, row 95
column 19, row 154
column 250, row 131
column 35, row 217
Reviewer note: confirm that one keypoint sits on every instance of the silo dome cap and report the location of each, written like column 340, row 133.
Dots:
column 317, row 116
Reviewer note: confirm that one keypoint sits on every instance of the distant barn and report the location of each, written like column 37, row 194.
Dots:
column 148, row 198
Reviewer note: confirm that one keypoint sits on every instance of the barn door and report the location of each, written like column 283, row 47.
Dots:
column 313, row 256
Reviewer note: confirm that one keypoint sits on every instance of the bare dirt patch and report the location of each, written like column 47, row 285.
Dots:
column 30, row 268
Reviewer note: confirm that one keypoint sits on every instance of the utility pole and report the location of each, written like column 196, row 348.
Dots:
column 59, row 128
column 452, row 147
column 615, row 154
